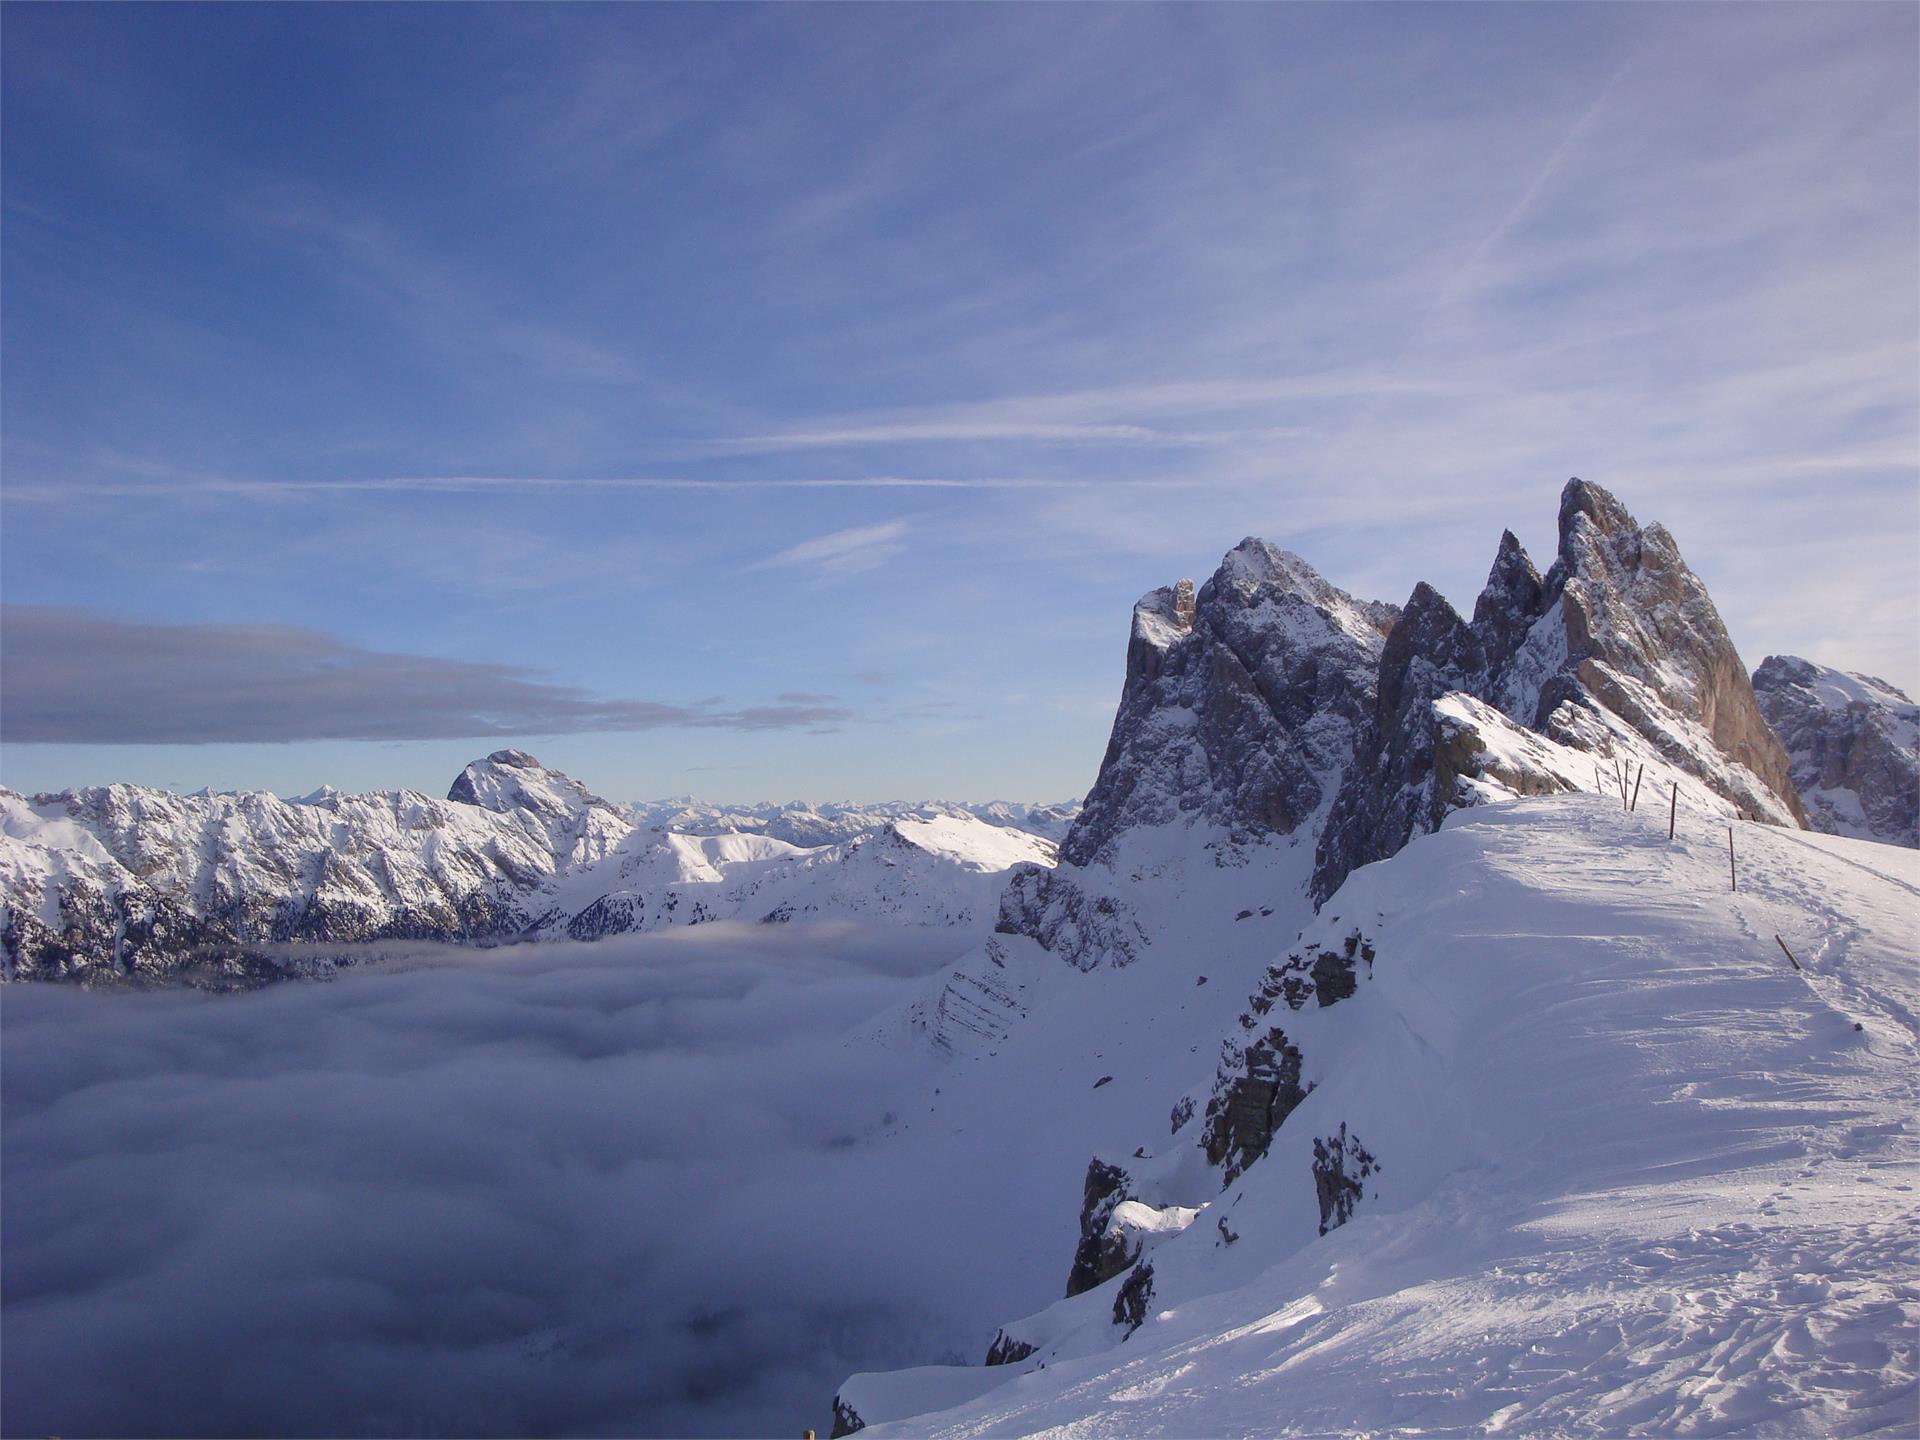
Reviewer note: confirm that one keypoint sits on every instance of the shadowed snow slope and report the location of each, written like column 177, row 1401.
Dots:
column 1535, row 1130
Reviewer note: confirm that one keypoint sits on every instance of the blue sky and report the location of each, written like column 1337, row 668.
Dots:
column 791, row 402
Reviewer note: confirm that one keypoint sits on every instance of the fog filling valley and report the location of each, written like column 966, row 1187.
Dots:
column 645, row 1186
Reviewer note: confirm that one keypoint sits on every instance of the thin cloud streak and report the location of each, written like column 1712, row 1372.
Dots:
column 1554, row 163
column 842, row 552
column 973, row 433
column 190, row 488
column 910, row 434
column 1110, row 415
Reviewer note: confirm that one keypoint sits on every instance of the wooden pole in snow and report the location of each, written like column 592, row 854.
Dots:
column 1788, row 953
column 1733, row 876
column 1636, row 788
column 1620, row 773
column 1673, row 807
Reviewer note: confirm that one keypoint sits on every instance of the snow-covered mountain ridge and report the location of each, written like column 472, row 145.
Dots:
column 1267, row 1014
column 1535, row 1129
column 121, row 883
column 825, row 823
column 1274, row 733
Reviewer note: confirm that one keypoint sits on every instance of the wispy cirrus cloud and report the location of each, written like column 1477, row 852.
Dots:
column 1135, row 414
column 169, row 483
column 70, row 677
column 909, row 434
column 842, row 552
column 448, row 306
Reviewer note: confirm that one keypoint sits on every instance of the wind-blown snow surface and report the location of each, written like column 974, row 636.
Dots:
column 1632, row 1172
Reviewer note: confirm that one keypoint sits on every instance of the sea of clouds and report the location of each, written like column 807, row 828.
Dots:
column 647, row 1186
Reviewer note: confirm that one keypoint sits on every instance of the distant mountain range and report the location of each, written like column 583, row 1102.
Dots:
column 122, row 884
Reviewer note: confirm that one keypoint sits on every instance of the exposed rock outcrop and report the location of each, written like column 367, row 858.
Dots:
column 1340, row 1165
column 1238, row 717
column 1255, row 1088
column 1853, row 747
column 1644, row 641
column 1134, row 1298
column 1006, row 1350
column 1102, row 1253
column 846, row 1420
column 1618, row 643
column 1240, row 703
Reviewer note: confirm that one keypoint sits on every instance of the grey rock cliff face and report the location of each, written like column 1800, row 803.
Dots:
column 1101, row 1254
column 1853, row 744
column 1240, row 705
column 1271, row 703
column 1642, row 635
column 1238, row 717
column 1619, row 637
column 1399, row 787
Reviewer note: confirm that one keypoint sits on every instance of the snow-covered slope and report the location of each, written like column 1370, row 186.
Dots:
column 946, row 871
column 1854, row 745
column 803, row 824
column 1535, row 1129
column 120, row 883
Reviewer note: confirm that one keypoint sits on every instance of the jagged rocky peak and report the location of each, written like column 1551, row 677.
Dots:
column 1163, row 616
column 1619, row 646
column 1510, row 603
column 1400, row 786
column 1644, row 640
column 574, row 824
column 1853, row 744
column 513, row 780
column 1239, row 702
column 1429, row 650
column 1236, row 722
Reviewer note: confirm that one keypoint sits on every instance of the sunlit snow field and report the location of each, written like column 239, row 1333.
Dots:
column 619, row 1188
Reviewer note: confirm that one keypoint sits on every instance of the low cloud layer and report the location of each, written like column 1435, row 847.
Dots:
column 71, row 677
column 641, row 1187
